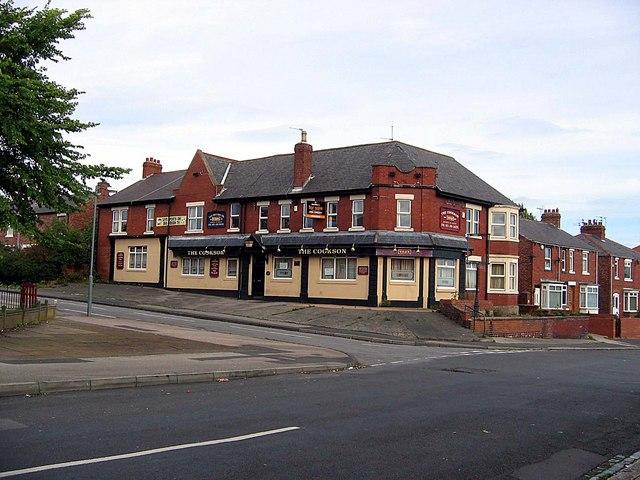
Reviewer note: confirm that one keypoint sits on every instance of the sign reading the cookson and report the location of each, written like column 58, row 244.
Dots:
column 215, row 219
column 315, row 210
column 205, row 253
column 214, row 267
column 120, row 260
column 173, row 220
column 322, row 251
column 450, row 219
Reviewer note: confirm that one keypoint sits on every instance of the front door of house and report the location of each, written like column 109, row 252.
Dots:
column 257, row 276
column 615, row 304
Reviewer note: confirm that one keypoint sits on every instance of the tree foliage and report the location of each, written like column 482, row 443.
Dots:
column 524, row 213
column 38, row 164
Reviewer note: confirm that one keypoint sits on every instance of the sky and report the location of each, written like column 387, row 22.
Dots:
column 540, row 99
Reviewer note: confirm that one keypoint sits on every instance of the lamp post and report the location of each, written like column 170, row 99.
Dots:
column 93, row 248
column 476, row 302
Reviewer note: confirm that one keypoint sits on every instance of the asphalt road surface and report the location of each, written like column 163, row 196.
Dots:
column 529, row 415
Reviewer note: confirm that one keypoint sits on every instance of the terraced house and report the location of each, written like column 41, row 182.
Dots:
column 385, row 223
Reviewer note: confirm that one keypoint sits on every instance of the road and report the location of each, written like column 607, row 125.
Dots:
column 526, row 415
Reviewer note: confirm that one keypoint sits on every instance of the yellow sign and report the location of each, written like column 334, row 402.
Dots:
column 173, row 220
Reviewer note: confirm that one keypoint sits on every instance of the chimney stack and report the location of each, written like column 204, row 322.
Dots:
column 102, row 189
column 151, row 166
column 551, row 216
column 593, row 227
column 302, row 157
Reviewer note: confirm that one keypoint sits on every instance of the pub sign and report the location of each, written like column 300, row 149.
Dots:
column 120, row 260
column 214, row 267
column 315, row 210
column 216, row 219
column 450, row 219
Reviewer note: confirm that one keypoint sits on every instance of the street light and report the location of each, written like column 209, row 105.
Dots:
column 93, row 249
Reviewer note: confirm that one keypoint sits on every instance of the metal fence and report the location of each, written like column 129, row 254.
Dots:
column 25, row 297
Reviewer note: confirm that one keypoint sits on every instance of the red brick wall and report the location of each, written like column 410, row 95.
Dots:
column 630, row 327
column 547, row 327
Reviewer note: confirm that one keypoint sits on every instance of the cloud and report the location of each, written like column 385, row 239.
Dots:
column 525, row 127
column 458, row 148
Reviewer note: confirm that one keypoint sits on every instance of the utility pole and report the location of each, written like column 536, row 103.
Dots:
column 93, row 248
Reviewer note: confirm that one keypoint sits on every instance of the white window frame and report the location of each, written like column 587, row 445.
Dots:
column 119, row 220
column 546, row 288
column 285, row 227
column 350, row 274
column 277, row 271
column 495, row 225
column 9, row 232
column 234, row 217
column 628, row 295
column 563, row 259
column 232, row 260
column 332, row 216
column 263, row 217
column 471, row 266
column 586, row 293
column 199, row 262
column 150, row 220
column 513, row 226
column 473, row 221
column 138, row 257
column 308, row 224
column 513, row 276
column 548, row 260
column 195, row 217
column 503, row 276
column 585, row 261
column 357, row 214
column 616, row 268
column 403, row 214
column 401, row 274
column 449, row 266
column 628, row 265
column 571, row 261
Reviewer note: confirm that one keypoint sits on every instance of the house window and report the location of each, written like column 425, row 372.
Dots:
column 445, row 272
column 193, row 266
column 194, row 217
column 471, row 272
column 631, row 301
column 585, row 263
column 403, row 269
column 513, row 276
column 571, row 269
column 547, row 258
column 499, row 225
column 234, row 216
column 339, row 268
column 627, row 270
column 473, row 221
column 138, row 258
column 616, row 268
column 332, row 214
column 9, row 232
column 403, row 213
column 283, row 267
column 497, row 276
column 119, row 224
column 589, row 297
column 306, row 221
column 150, row 219
column 232, row 268
column 513, row 226
column 357, row 213
column 554, row 296
column 263, row 218
column 563, row 260
column 285, row 216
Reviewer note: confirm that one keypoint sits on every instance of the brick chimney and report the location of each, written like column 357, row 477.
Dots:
column 150, row 166
column 302, row 157
column 593, row 227
column 551, row 216
column 102, row 189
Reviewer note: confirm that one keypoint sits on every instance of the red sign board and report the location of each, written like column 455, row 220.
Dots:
column 120, row 260
column 363, row 270
column 214, row 267
column 450, row 219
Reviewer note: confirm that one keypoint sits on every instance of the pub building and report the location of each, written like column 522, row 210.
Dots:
column 378, row 224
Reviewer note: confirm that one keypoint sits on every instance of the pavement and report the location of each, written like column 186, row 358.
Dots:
column 383, row 325
column 88, row 353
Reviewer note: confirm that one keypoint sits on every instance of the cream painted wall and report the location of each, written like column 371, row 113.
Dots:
column 282, row 287
column 175, row 279
column 357, row 289
column 149, row 275
column 403, row 290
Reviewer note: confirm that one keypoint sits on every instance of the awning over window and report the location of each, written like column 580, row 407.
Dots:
column 209, row 241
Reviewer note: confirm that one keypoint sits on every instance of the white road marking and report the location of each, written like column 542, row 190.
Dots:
column 377, row 364
column 397, row 361
column 261, row 330
column 142, row 453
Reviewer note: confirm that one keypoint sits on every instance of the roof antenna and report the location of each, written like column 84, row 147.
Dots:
column 389, row 139
column 303, row 134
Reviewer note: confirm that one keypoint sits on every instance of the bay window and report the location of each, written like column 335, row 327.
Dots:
column 513, row 226
column 513, row 276
column 554, row 296
column 499, row 225
column 497, row 274
column 471, row 273
column 589, row 298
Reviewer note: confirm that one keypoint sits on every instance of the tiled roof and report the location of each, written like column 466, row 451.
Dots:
column 217, row 165
column 349, row 169
column 609, row 247
column 158, row 186
column 546, row 234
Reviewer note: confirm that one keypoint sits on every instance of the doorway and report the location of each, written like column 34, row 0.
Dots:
column 615, row 304
column 257, row 280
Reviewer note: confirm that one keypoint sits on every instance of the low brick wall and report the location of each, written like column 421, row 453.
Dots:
column 630, row 327
column 10, row 319
column 460, row 311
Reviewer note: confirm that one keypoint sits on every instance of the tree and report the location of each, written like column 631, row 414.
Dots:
column 38, row 164
column 524, row 213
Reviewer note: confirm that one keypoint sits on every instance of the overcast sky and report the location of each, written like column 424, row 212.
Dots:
column 541, row 99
